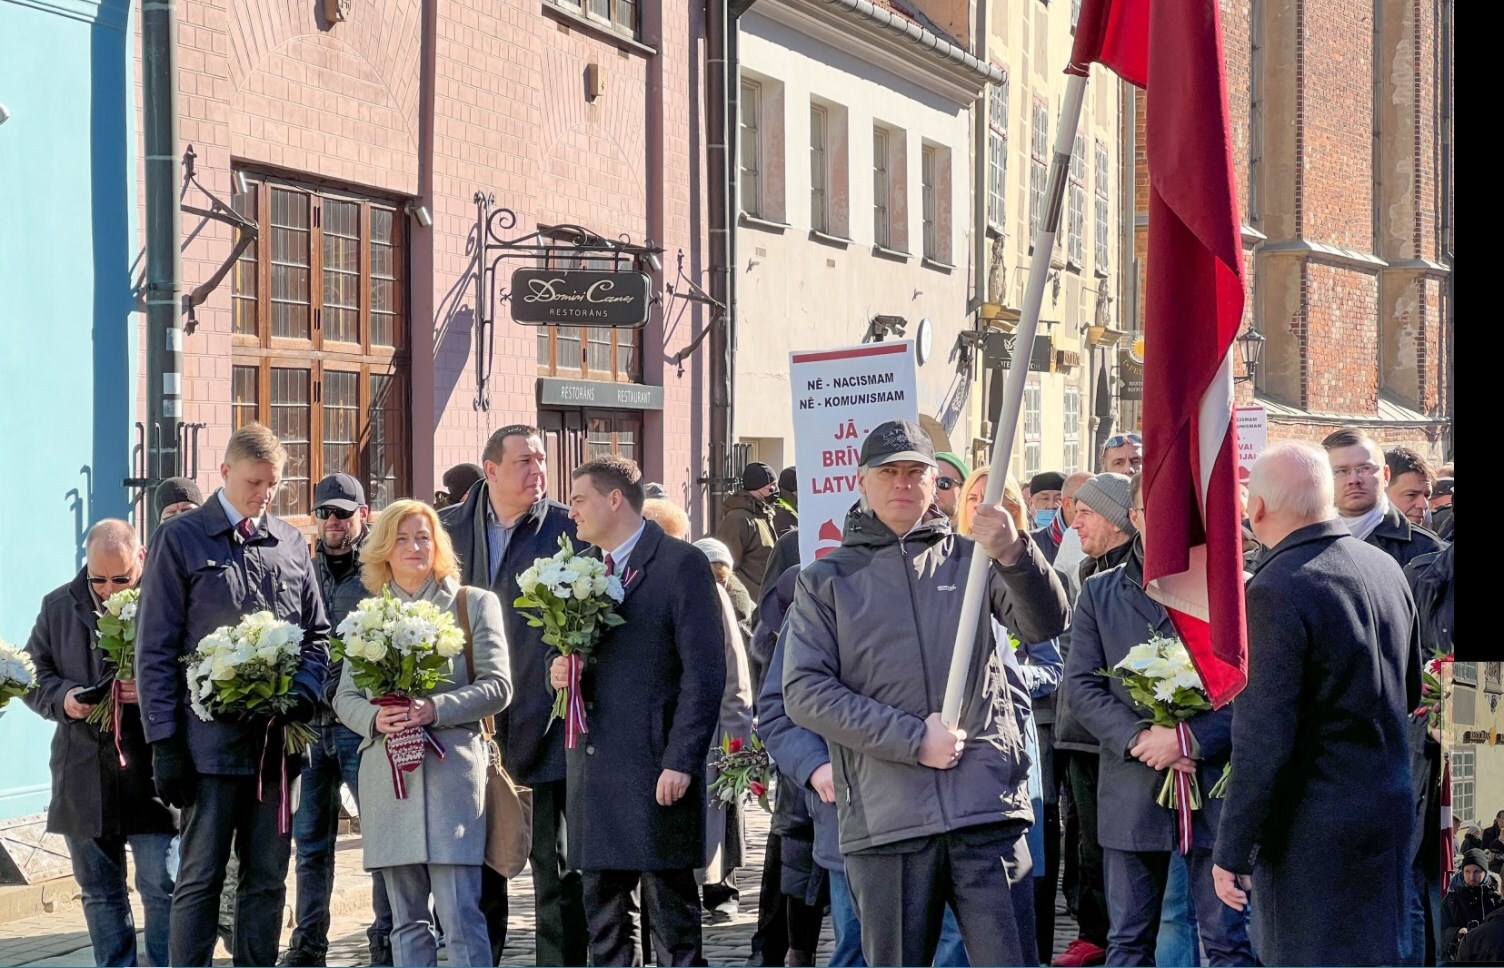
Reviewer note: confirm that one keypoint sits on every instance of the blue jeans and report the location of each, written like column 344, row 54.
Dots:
column 99, row 868
column 1178, row 945
column 333, row 758
column 848, row 931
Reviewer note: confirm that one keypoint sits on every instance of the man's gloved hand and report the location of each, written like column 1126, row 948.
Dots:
column 304, row 706
column 172, row 768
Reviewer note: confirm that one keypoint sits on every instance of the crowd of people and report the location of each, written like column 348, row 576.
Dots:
column 921, row 841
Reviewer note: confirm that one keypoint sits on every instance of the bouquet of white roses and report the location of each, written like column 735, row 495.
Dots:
column 245, row 670
column 1161, row 678
column 397, row 651
column 117, row 640
column 17, row 675
column 574, row 601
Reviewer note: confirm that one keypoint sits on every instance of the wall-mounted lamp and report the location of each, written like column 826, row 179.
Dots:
column 242, row 184
column 882, row 327
column 1251, row 349
column 421, row 213
column 651, row 258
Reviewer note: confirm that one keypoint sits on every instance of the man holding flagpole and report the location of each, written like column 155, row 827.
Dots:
column 928, row 813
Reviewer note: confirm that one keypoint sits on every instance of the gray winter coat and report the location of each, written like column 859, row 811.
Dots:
column 440, row 821
column 869, row 641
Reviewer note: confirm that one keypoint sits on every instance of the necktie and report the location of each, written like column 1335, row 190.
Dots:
column 610, row 566
column 247, row 529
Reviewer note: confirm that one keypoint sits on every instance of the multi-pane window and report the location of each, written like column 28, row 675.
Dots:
column 1465, row 672
column 1075, row 230
column 750, row 148
column 819, row 168
column 929, row 164
column 1072, row 429
column 589, row 352
column 997, row 156
column 1103, row 174
column 1464, row 804
column 1039, row 165
column 619, row 15
column 1033, row 422
column 882, row 225
column 318, row 329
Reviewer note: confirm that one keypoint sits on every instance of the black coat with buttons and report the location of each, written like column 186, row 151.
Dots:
column 92, row 794
column 653, row 698
column 200, row 576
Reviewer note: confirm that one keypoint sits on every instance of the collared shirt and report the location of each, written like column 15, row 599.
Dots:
column 235, row 516
column 498, row 538
column 623, row 551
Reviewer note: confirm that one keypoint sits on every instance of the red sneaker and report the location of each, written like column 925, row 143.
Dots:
column 1081, row 954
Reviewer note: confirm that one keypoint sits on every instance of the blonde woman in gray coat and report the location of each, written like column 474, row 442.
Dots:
column 433, row 842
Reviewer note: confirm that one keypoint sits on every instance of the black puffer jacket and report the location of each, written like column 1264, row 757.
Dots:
column 1466, row 907
column 868, row 646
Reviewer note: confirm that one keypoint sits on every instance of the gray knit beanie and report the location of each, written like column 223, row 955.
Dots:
column 1108, row 495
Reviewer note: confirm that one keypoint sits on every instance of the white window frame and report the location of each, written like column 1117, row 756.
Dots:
column 1076, row 216
column 997, row 157
column 819, row 168
column 1103, row 210
column 882, row 187
column 929, row 174
column 1033, row 421
column 1465, row 673
column 1039, row 164
column 749, row 147
column 1071, row 428
column 1464, row 783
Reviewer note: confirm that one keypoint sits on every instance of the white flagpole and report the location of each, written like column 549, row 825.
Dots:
column 1013, row 391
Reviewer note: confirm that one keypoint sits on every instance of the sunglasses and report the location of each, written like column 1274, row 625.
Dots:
column 946, row 483
column 324, row 514
column 98, row 581
column 1119, row 440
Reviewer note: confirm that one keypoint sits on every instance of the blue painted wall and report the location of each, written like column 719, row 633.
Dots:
column 68, row 244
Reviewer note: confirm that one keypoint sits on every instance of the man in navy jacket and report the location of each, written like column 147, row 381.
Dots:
column 205, row 569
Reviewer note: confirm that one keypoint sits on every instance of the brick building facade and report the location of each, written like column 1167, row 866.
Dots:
column 351, row 324
column 1342, row 150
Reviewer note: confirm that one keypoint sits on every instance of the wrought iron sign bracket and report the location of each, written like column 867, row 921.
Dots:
column 551, row 247
column 218, row 211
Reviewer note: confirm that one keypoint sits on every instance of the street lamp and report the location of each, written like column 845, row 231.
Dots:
column 1251, row 349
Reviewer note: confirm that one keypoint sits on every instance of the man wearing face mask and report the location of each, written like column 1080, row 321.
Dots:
column 1045, row 497
column 750, row 525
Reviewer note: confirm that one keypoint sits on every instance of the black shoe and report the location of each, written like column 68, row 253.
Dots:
column 299, row 956
column 381, row 951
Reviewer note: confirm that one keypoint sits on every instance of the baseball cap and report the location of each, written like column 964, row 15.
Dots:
column 897, row 440
column 339, row 491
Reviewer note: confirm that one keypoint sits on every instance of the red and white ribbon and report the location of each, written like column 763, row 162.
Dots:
column 1183, row 790
column 284, row 795
column 574, row 717
column 115, row 691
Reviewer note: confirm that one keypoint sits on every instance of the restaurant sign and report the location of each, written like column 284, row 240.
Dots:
column 580, row 297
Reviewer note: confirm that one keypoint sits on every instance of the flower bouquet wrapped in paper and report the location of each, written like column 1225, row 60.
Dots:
column 574, row 601
column 397, row 652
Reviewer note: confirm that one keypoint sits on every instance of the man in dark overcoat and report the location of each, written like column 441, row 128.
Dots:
column 102, row 793
column 652, row 691
column 1321, row 732
column 1113, row 614
column 499, row 527
column 205, row 569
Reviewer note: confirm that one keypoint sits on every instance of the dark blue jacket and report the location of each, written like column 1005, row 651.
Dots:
column 1114, row 614
column 652, row 692
column 199, row 577
column 1323, row 751
column 532, row 752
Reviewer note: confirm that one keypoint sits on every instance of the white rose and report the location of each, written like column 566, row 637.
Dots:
column 223, row 667
column 355, row 646
column 451, row 642
column 598, row 585
column 614, row 590
column 1159, row 669
column 1139, row 657
column 376, row 650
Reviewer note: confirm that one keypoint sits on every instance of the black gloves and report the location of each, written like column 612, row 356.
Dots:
column 172, row 768
column 304, row 706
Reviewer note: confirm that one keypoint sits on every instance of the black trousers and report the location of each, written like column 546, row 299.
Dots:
column 1091, row 889
column 901, row 891
column 1044, row 887
column 493, row 904
column 557, row 890
column 671, row 899
column 226, row 809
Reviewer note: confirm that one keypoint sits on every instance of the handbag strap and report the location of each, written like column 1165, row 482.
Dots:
column 462, row 605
